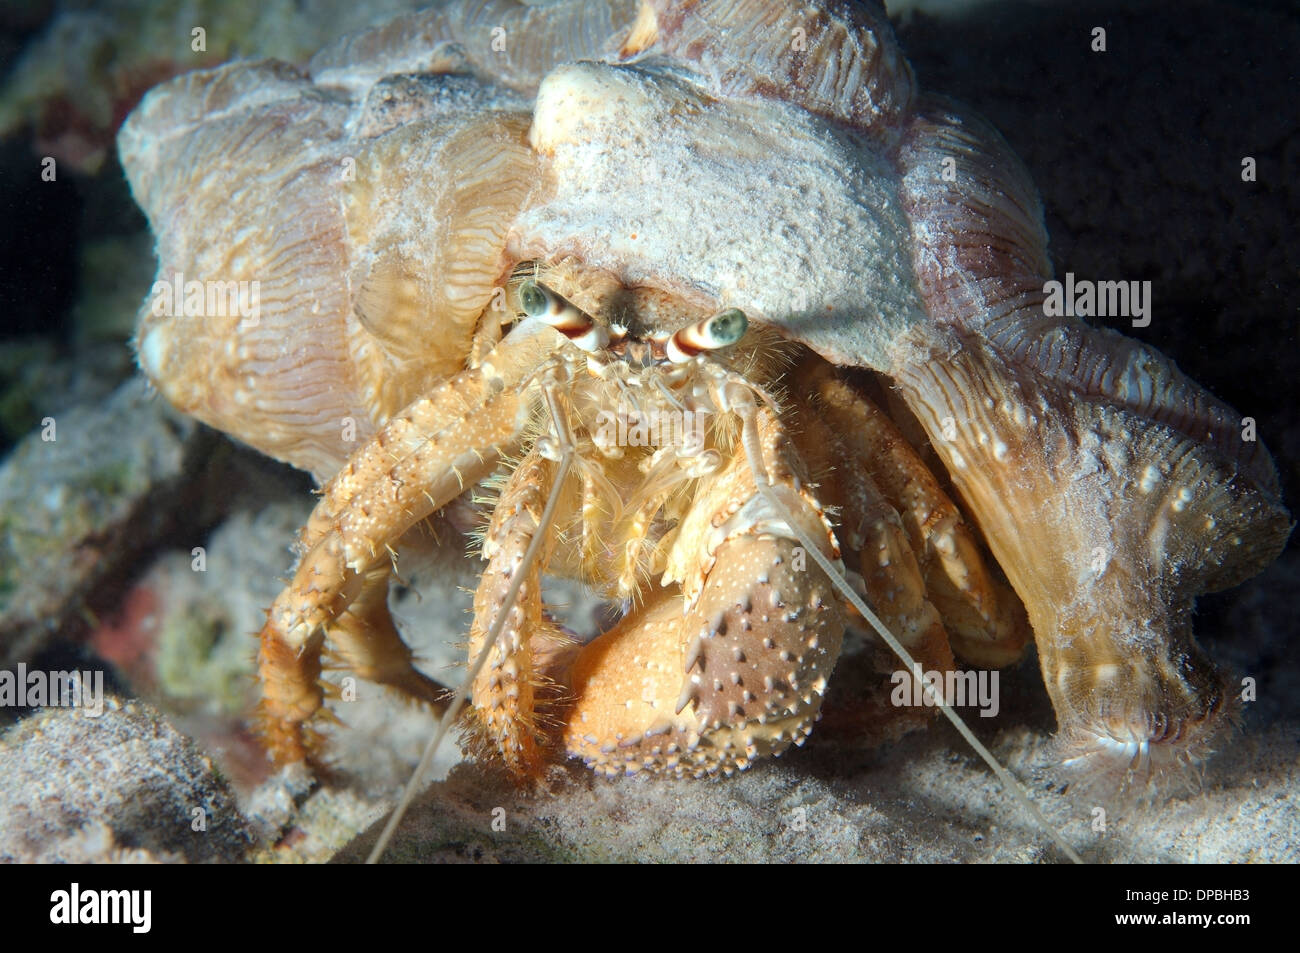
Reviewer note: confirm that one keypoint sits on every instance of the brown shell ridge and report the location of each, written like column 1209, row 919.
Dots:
column 1102, row 364
column 837, row 60
column 978, row 239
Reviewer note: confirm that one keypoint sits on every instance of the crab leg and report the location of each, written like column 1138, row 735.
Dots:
column 421, row 460
column 367, row 643
column 743, row 404
column 984, row 618
column 504, row 690
column 872, row 528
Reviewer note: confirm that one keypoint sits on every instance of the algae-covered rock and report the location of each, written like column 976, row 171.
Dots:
column 90, row 486
column 210, row 599
column 118, row 787
column 94, row 60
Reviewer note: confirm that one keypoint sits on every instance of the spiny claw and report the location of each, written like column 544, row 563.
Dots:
column 732, row 667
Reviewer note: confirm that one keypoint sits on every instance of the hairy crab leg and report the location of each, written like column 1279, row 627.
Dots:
column 417, row 463
column 564, row 451
column 872, row 528
column 504, row 692
column 986, row 622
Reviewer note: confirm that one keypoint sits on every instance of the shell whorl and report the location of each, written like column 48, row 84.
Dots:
column 359, row 221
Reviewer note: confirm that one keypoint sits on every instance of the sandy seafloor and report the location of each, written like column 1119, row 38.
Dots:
column 1136, row 154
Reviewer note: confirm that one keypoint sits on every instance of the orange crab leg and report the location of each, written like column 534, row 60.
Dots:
column 985, row 620
column 367, row 643
column 418, row 462
column 504, row 691
column 872, row 528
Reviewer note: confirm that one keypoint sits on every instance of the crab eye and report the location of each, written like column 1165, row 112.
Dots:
column 722, row 330
column 726, row 328
column 547, row 306
column 533, row 299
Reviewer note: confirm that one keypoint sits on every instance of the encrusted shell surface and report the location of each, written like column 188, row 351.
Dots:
column 773, row 157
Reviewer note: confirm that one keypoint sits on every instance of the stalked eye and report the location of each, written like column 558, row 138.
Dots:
column 726, row 328
column 533, row 299
column 722, row 330
column 540, row 302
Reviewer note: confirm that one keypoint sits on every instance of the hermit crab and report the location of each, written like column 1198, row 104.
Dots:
column 751, row 334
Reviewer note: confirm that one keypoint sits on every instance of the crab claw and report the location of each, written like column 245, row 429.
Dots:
column 733, row 667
